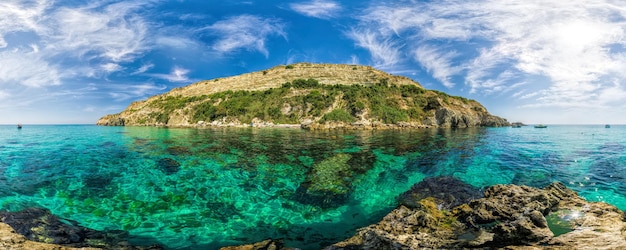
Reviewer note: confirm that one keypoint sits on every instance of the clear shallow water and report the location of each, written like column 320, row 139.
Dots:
column 201, row 189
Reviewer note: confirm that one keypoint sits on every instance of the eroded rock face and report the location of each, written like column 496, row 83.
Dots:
column 508, row 216
column 111, row 120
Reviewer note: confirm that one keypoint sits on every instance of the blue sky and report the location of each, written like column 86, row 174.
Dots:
column 533, row 61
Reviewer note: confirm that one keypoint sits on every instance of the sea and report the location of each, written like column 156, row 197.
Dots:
column 186, row 188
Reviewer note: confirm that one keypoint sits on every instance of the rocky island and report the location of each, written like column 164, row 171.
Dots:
column 312, row 96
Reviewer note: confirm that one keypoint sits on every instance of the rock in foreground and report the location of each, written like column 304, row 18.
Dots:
column 36, row 228
column 508, row 216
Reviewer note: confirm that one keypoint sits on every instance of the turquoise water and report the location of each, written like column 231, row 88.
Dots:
column 201, row 189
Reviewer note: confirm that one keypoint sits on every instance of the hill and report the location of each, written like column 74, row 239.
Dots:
column 310, row 95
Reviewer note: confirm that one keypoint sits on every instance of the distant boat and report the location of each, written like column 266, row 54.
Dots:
column 607, row 126
column 541, row 126
column 516, row 126
column 19, row 126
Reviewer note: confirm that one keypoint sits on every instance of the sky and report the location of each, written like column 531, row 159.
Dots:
column 533, row 61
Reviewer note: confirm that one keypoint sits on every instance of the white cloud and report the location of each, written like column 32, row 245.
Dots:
column 4, row 95
column 143, row 68
column 123, row 92
column 111, row 67
column 578, row 46
column 322, row 9
column 176, row 42
column 20, row 16
column 245, row 32
column 177, row 74
column 114, row 34
column 439, row 64
column 27, row 69
column 385, row 51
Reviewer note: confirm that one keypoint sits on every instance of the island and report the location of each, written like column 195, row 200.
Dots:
column 310, row 96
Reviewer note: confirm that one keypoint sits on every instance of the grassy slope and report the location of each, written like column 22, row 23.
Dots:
column 304, row 99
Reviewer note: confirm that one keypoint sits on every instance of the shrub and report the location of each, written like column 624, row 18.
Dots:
column 304, row 84
column 339, row 115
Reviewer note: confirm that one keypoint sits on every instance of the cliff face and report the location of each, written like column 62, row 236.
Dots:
column 366, row 98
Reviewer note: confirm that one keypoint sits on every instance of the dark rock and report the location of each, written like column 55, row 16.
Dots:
column 40, row 225
column 449, row 190
column 263, row 245
column 179, row 150
column 168, row 165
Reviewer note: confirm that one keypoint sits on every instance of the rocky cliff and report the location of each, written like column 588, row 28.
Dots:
column 313, row 95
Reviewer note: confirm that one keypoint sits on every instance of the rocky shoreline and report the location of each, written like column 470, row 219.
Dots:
column 506, row 217
column 437, row 213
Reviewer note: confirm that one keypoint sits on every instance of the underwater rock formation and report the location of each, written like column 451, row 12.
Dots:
column 328, row 183
column 168, row 165
column 508, row 216
column 32, row 227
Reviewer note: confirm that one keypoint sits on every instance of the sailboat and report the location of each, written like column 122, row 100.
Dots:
column 19, row 126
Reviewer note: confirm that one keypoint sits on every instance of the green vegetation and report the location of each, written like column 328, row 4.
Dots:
column 308, row 99
column 339, row 115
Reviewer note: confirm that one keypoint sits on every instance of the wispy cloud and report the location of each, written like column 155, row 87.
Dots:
column 438, row 63
column 114, row 34
column 143, row 68
column 123, row 92
column 177, row 74
column 111, row 67
column 322, row 9
column 578, row 46
column 84, row 41
column 385, row 51
column 20, row 16
column 27, row 69
column 247, row 32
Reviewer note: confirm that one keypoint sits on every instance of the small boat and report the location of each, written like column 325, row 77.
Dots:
column 19, row 126
column 607, row 126
column 541, row 126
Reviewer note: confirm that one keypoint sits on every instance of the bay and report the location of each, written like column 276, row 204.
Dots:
column 206, row 188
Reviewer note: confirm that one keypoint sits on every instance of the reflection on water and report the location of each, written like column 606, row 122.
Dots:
column 216, row 187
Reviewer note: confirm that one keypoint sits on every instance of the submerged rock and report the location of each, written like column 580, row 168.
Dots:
column 328, row 184
column 39, row 225
column 168, row 165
